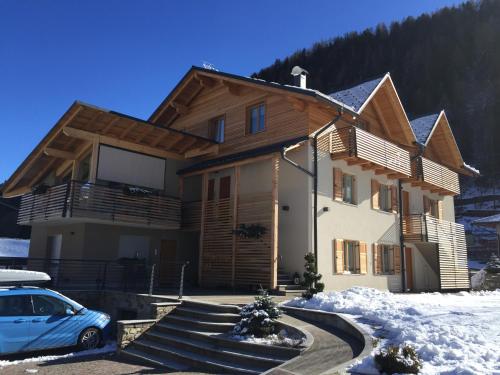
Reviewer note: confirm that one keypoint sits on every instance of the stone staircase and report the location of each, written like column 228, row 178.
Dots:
column 286, row 287
column 194, row 337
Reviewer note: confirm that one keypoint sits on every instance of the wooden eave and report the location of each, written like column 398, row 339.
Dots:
column 72, row 137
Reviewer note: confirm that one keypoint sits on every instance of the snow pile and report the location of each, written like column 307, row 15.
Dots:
column 452, row 333
column 108, row 348
column 477, row 280
column 13, row 247
column 281, row 339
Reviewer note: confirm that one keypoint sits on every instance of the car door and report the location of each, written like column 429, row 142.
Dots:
column 53, row 323
column 15, row 315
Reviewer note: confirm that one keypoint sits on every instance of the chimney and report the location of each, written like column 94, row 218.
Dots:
column 299, row 76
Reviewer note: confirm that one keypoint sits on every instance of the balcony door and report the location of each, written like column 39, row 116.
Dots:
column 54, row 245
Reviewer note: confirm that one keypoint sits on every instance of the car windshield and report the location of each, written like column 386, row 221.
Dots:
column 74, row 304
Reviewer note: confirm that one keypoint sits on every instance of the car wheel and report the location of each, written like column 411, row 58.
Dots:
column 89, row 339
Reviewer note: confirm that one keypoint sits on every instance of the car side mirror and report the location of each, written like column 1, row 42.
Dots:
column 70, row 311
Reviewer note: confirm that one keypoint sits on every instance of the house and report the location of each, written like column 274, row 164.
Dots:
column 491, row 222
column 243, row 177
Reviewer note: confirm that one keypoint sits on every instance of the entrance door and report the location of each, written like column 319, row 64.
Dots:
column 54, row 244
column 168, row 267
column 409, row 268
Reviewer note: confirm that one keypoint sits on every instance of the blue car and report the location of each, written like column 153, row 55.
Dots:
column 34, row 318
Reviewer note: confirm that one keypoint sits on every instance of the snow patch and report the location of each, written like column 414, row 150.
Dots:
column 108, row 348
column 452, row 333
column 13, row 247
column 281, row 339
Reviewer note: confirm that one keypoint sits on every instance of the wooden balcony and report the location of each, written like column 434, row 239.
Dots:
column 451, row 247
column 191, row 215
column 435, row 177
column 360, row 147
column 100, row 203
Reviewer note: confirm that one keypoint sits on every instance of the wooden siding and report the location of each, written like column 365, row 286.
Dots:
column 435, row 176
column 98, row 202
column 450, row 238
column 362, row 147
column 283, row 121
column 191, row 215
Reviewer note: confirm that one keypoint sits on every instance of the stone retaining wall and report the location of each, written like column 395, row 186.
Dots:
column 129, row 330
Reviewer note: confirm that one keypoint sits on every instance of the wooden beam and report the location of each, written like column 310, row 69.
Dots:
column 82, row 134
column 230, row 165
column 181, row 109
column 298, row 104
column 358, row 162
column 231, row 88
column 274, row 226
column 204, row 82
column 148, row 132
column 187, row 144
column 82, row 150
column 75, row 168
column 381, row 118
column 214, row 149
column 60, row 154
column 174, row 138
column 366, row 167
column 380, row 171
column 128, row 129
column 109, row 126
column 41, row 173
column 159, row 139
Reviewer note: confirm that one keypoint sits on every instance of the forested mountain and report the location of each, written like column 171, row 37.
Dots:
column 450, row 60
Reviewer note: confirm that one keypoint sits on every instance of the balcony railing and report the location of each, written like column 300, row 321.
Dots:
column 355, row 143
column 191, row 215
column 99, row 202
column 438, row 176
column 452, row 248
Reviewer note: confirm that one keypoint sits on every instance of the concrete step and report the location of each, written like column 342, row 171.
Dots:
column 211, row 349
column 276, row 352
column 193, row 360
column 142, row 357
column 206, row 315
column 290, row 287
column 231, row 309
column 198, row 325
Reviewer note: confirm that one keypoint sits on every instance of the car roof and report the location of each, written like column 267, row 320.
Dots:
column 16, row 290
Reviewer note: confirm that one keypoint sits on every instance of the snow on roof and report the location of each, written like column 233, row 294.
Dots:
column 422, row 126
column 472, row 169
column 356, row 96
column 490, row 220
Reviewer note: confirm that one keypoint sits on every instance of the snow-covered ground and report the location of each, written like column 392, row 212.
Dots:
column 12, row 247
column 453, row 333
column 108, row 348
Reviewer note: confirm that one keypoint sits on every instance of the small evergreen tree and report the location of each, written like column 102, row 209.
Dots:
column 311, row 277
column 258, row 318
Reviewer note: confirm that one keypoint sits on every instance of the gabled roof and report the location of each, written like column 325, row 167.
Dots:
column 355, row 97
column 422, row 126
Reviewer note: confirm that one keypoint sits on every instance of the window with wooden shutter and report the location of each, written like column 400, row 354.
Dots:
column 363, row 258
column 338, row 254
column 211, row 190
column 427, row 205
column 225, row 187
column 377, row 259
column 394, row 199
column 397, row 260
column 375, row 194
column 337, row 184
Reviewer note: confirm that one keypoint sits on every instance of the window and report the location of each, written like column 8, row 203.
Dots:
column 225, row 187
column 385, row 201
column 351, row 256
column 387, row 254
column 432, row 207
column 256, row 118
column 211, row 190
column 344, row 186
column 47, row 306
column 216, row 129
column 18, row 305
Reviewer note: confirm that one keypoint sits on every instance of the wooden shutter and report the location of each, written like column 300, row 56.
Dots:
column 397, row 259
column 225, row 187
column 211, row 189
column 427, row 205
column 394, row 199
column 338, row 250
column 375, row 194
column 337, row 184
column 440, row 209
column 377, row 259
column 363, row 258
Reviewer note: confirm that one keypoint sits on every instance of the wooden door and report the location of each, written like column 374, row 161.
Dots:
column 409, row 268
column 168, row 268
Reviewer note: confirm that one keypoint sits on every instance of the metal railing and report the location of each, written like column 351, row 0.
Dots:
column 355, row 142
column 98, row 201
column 128, row 275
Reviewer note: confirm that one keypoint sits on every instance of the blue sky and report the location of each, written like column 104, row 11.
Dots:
column 127, row 55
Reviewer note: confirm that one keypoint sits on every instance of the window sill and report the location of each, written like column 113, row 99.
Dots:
column 345, row 203
column 349, row 274
column 384, row 212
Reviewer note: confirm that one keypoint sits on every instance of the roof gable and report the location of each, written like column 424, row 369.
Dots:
column 355, row 97
column 422, row 126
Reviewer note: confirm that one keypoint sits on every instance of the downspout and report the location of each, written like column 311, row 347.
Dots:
column 314, row 175
column 401, row 236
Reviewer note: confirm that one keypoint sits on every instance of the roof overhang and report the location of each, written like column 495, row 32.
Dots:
column 83, row 125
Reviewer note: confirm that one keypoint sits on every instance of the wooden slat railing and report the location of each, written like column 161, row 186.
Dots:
column 435, row 174
column 450, row 238
column 354, row 142
column 191, row 215
column 94, row 201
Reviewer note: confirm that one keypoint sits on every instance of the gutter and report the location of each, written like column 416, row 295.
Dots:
column 314, row 175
